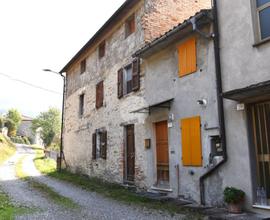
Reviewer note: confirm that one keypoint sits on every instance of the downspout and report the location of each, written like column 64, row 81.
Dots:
column 219, row 104
column 62, row 123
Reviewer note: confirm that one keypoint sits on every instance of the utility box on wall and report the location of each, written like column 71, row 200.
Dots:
column 216, row 148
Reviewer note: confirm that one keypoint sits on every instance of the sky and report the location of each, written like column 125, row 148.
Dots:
column 43, row 34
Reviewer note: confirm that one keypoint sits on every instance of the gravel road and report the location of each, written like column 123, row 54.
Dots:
column 92, row 205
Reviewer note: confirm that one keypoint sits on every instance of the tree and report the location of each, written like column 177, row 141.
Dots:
column 15, row 116
column 11, row 125
column 50, row 124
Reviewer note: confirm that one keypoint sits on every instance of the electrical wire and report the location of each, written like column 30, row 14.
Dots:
column 29, row 84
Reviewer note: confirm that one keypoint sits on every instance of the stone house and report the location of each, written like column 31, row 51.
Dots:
column 105, row 84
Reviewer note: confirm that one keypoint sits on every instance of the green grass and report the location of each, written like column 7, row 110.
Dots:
column 114, row 191
column 7, row 149
column 8, row 211
column 44, row 165
column 43, row 188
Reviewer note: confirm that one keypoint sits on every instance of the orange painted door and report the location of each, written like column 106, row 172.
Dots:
column 162, row 152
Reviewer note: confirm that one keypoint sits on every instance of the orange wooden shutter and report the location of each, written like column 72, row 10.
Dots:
column 191, row 141
column 187, row 59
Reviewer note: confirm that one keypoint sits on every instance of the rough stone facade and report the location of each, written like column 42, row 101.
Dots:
column 115, row 113
column 162, row 15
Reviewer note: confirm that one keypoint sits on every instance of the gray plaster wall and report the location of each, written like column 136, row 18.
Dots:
column 162, row 83
column 243, row 64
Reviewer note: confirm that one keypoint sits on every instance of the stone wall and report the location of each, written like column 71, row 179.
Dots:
column 115, row 113
column 162, row 15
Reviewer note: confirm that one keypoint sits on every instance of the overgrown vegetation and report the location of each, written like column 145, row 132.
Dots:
column 20, row 140
column 12, row 121
column 111, row 190
column 50, row 124
column 43, row 188
column 8, row 210
column 7, row 149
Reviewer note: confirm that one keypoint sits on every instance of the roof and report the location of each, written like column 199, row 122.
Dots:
column 124, row 8
column 255, row 92
column 177, row 32
column 26, row 118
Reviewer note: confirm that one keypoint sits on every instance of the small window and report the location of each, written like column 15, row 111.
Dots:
column 81, row 105
column 99, row 94
column 99, row 145
column 263, row 16
column 83, row 66
column 101, row 50
column 127, row 79
column 130, row 25
column 187, row 60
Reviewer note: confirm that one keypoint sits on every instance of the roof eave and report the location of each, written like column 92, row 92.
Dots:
column 125, row 6
column 177, row 32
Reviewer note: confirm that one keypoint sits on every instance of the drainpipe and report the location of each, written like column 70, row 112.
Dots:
column 219, row 105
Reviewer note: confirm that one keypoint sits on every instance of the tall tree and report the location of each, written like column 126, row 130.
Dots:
column 50, row 124
column 15, row 116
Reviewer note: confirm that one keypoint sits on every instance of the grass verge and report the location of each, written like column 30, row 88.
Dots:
column 110, row 190
column 9, row 210
column 7, row 149
column 43, row 188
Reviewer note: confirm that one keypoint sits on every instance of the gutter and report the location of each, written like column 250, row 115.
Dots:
column 219, row 105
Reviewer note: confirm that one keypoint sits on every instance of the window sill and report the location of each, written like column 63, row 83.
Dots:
column 260, row 42
column 261, row 207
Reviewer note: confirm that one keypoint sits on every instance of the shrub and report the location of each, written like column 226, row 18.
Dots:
column 12, row 129
column 233, row 195
column 20, row 140
column 1, row 122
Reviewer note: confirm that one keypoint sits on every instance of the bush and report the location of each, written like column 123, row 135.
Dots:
column 12, row 129
column 20, row 140
column 1, row 122
column 233, row 195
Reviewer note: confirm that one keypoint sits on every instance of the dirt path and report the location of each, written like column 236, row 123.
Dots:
column 92, row 205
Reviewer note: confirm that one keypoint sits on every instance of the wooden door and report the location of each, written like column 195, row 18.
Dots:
column 130, row 153
column 261, row 137
column 162, row 152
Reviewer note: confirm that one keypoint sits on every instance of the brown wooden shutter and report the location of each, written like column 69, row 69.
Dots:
column 136, row 75
column 99, row 94
column 103, row 143
column 120, row 83
column 94, row 146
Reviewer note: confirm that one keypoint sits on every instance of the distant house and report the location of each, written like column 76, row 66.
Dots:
column 25, row 130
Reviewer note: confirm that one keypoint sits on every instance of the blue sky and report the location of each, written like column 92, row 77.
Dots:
column 38, row 34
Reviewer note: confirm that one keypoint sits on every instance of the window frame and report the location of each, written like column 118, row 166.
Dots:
column 81, row 104
column 102, row 49
column 99, row 94
column 125, row 82
column 99, row 151
column 83, row 66
column 256, row 22
column 128, row 21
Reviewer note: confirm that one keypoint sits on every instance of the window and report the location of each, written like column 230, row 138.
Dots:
column 81, row 105
column 99, row 94
column 99, row 144
column 187, row 60
column 83, row 66
column 101, row 50
column 191, row 141
column 263, row 17
column 130, row 25
column 129, row 78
